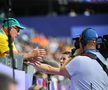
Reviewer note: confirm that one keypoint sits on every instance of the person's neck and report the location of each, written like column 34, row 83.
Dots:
column 89, row 48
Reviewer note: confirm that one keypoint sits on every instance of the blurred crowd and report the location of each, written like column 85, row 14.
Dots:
column 56, row 56
column 57, row 53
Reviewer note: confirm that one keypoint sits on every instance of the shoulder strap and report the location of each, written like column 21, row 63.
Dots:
column 93, row 56
column 102, row 65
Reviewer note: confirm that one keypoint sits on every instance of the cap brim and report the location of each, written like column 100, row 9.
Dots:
column 21, row 27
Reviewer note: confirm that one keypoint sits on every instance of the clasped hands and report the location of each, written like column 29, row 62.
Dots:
column 36, row 56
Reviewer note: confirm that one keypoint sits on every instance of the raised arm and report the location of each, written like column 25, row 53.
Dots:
column 35, row 53
column 51, row 70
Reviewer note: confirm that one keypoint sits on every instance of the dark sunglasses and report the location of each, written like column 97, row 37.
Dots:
column 17, row 29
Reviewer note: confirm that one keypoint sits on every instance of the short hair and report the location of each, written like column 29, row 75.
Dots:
column 5, row 80
column 32, row 87
column 36, row 87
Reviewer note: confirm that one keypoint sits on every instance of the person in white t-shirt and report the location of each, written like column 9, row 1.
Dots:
column 84, row 72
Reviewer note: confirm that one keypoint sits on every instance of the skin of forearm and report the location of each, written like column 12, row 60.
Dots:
column 47, row 68
column 25, row 55
column 52, row 70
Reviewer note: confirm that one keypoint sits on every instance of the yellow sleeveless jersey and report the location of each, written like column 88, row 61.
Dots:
column 4, row 49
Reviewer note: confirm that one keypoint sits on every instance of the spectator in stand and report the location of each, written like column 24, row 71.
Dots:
column 12, row 26
column 7, row 83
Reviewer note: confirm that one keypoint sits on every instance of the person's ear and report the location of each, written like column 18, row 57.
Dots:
column 94, row 41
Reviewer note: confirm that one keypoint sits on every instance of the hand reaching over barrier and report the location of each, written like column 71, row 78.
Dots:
column 35, row 54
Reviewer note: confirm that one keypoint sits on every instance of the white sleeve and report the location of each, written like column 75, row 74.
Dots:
column 73, row 66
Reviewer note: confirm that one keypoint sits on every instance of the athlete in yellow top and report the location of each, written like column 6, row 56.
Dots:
column 15, row 28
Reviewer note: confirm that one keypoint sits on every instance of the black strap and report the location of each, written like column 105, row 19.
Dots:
column 91, row 55
column 102, row 65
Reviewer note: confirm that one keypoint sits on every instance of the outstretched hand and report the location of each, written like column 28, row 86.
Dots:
column 36, row 59
column 38, row 52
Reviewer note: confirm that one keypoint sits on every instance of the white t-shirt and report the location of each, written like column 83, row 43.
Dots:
column 86, row 74
column 99, row 55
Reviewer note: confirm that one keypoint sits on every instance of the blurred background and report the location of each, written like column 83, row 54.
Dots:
column 54, row 25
